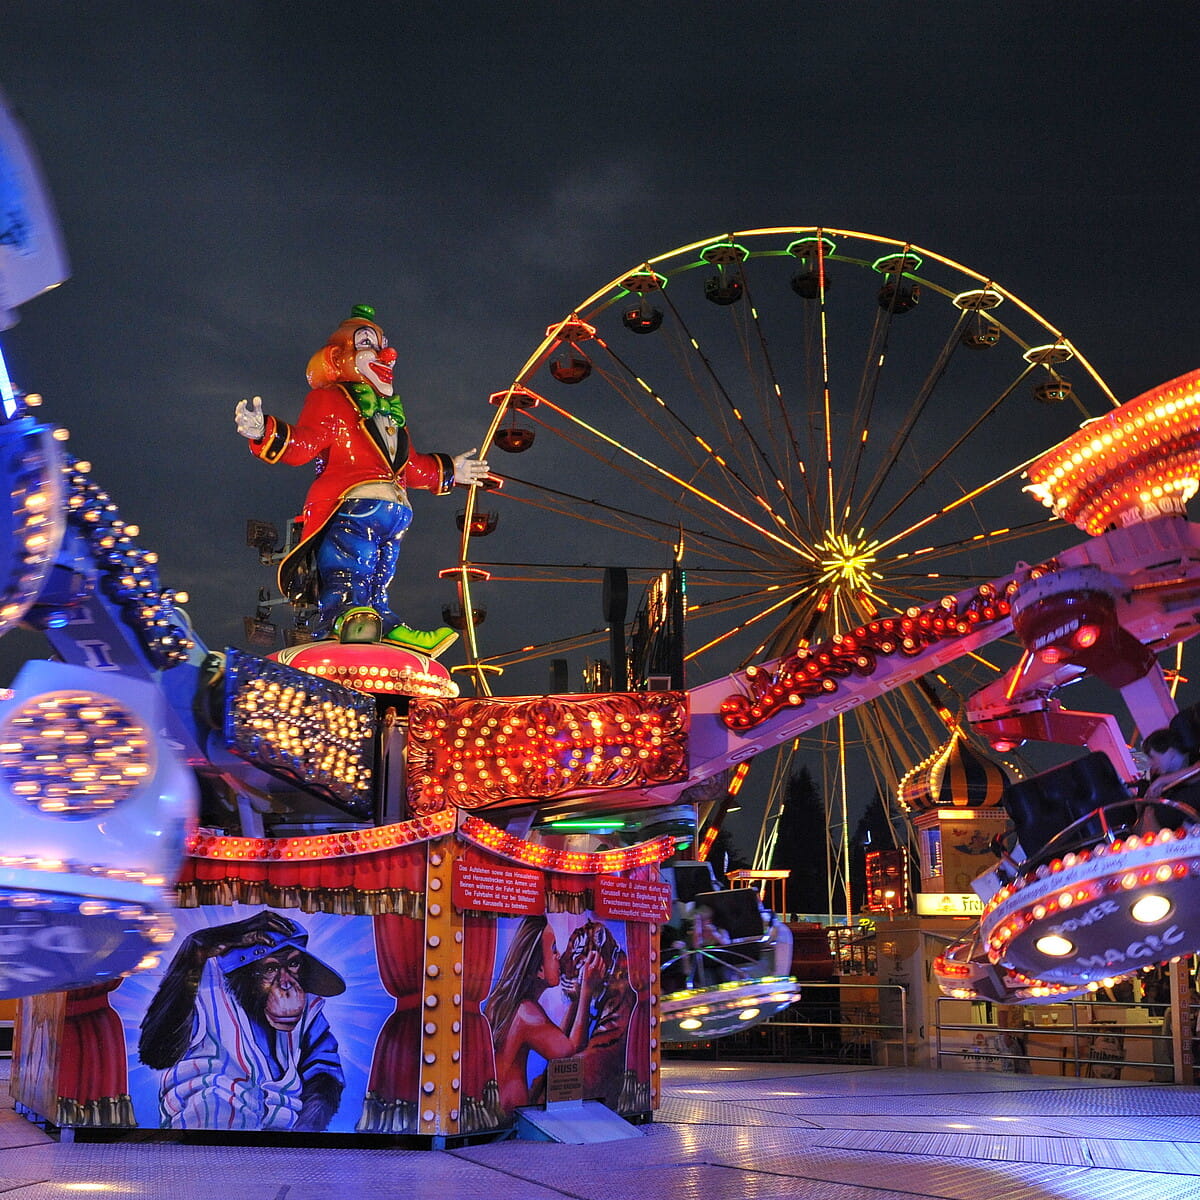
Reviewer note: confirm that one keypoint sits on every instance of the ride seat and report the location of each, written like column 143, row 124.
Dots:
column 1044, row 805
column 737, row 912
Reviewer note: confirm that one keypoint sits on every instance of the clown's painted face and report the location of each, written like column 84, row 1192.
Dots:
column 373, row 358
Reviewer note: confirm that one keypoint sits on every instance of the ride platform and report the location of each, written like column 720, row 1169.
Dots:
column 725, row 1129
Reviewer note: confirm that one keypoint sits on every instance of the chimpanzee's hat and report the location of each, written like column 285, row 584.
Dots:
column 318, row 978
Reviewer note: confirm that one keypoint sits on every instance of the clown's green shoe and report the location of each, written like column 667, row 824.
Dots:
column 427, row 641
column 358, row 625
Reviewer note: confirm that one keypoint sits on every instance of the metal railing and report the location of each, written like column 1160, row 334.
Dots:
column 1085, row 1039
column 845, row 1022
column 860, row 1024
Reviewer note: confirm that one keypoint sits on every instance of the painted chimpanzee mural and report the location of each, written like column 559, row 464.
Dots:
column 236, row 1029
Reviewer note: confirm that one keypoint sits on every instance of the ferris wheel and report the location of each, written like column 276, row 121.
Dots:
column 782, row 433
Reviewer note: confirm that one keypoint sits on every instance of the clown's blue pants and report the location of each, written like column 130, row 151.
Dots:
column 357, row 559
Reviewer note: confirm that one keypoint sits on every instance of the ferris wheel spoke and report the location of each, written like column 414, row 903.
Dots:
column 748, row 623
column 883, row 725
column 572, row 573
column 790, row 634
column 690, row 488
column 704, row 459
column 916, row 410
column 593, row 512
column 859, row 423
column 652, row 483
column 658, row 414
column 826, row 390
column 733, row 419
column 731, row 465
column 992, row 537
column 956, row 448
column 532, row 653
column 957, row 503
column 665, row 420
column 635, row 524
column 768, row 391
column 918, row 591
column 872, row 370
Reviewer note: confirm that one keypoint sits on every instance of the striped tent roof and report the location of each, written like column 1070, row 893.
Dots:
column 955, row 775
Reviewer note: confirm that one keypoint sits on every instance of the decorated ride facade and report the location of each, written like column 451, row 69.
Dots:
column 411, row 968
column 403, row 954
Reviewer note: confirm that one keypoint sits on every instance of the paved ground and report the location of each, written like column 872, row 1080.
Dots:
column 726, row 1131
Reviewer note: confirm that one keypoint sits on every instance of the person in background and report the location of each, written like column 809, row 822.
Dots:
column 707, row 935
column 779, row 938
column 1174, row 774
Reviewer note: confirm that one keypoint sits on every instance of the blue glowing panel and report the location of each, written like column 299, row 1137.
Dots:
column 32, row 520
column 301, row 728
column 8, row 401
column 52, row 942
column 32, row 257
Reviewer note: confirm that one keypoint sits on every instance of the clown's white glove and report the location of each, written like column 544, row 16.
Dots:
column 248, row 417
column 468, row 470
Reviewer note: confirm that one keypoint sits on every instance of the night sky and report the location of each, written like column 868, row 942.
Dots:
column 232, row 175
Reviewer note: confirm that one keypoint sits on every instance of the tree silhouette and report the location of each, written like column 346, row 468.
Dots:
column 800, row 845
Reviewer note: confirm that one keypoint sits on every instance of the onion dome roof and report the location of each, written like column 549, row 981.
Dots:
column 955, row 775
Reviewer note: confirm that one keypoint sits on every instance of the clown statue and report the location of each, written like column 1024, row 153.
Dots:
column 357, row 510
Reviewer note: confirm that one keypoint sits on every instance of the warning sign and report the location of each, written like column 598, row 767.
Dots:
column 620, row 899
column 498, row 889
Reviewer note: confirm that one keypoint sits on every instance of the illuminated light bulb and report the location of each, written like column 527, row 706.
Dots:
column 1054, row 945
column 1151, row 908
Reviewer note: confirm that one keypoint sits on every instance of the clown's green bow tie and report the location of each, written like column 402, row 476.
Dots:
column 370, row 402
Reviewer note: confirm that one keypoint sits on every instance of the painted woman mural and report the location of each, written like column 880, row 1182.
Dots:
column 547, row 1004
column 518, row 1020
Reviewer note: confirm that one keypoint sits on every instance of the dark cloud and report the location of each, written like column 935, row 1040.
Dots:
column 231, row 175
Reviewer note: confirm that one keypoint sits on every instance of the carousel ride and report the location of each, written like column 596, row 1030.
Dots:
column 839, row 600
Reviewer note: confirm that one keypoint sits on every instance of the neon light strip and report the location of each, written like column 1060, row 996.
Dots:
column 487, row 837
column 331, row 845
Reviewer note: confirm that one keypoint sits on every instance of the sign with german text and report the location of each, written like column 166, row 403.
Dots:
column 485, row 888
column 564, row 1080
column 620, row 899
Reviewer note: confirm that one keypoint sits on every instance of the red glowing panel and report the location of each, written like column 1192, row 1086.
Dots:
column 475, row 753
column 1138, row 462
column 377, row 668
column 354, row 841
